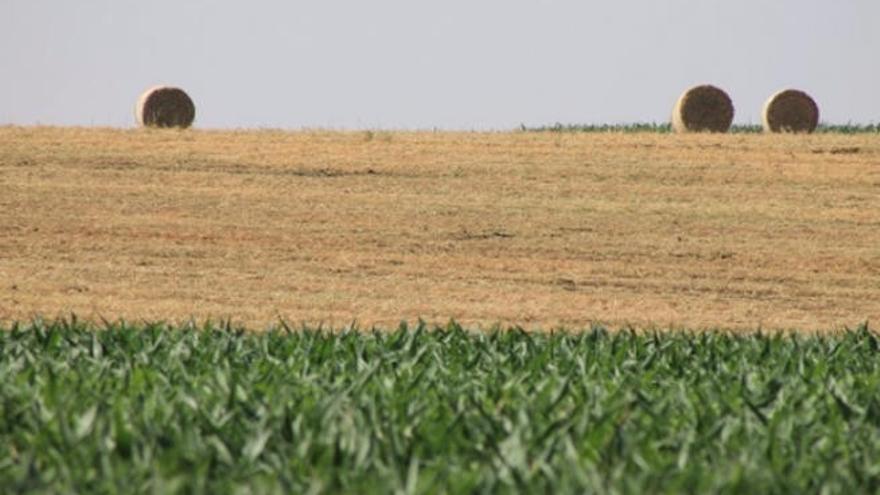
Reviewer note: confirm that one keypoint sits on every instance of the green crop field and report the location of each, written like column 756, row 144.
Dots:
column 666, row 128
column 213, row 409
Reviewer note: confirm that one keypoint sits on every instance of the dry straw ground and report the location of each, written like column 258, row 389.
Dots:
column 737, row 231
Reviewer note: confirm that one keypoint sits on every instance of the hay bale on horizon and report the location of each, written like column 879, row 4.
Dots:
column 791, row 110
column 165, row 106
column 703, row 108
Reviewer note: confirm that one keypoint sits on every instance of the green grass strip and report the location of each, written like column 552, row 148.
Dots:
column 667, row 128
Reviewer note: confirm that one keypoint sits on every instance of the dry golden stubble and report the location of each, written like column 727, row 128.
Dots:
column 535, row 229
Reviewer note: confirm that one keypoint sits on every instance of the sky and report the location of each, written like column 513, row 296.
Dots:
column 414, row 64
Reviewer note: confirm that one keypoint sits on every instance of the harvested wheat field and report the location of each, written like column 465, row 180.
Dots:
column 535, row 229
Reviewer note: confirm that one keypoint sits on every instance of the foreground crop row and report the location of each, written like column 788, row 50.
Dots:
column 159, row 409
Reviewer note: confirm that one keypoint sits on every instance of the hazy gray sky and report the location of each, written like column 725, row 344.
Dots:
column 466, row 64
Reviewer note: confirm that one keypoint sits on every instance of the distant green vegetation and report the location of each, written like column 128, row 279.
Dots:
column 150, row 408
column 667, row 128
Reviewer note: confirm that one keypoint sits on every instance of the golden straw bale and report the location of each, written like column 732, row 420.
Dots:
column 165, row 106
column 791, row 110
column 703, row 108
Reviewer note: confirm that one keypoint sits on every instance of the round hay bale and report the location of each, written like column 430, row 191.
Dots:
column 791, row 110
column 165, row 106
column 703, row 108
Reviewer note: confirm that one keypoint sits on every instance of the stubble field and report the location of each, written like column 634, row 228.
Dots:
column 540, row 230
